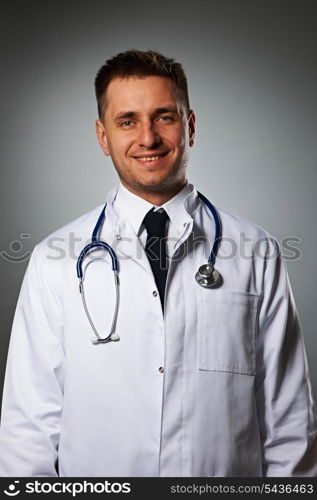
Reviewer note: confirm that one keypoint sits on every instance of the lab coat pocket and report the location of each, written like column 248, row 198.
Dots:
column 227, row 323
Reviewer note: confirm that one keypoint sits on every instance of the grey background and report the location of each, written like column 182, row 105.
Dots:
column 251, row 66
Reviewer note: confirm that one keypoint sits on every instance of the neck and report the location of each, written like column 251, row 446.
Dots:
column 155, row 197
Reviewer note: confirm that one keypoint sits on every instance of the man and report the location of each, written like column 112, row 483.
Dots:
column 202, row 381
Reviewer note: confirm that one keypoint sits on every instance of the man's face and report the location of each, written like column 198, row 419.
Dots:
column 147, row 132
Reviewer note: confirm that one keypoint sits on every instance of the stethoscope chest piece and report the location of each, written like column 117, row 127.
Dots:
column 207, row 276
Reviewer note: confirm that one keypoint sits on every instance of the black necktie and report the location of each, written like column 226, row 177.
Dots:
column 155, row 248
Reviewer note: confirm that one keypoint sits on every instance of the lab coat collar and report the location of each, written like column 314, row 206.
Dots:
column 135, row 208
column 180, row 208
column 123, row 228
column 177, row 208
column 118, row 232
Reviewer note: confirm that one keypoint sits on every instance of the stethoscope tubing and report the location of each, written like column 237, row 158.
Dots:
column 95, row 245
column 206, row 276
column 218, row 229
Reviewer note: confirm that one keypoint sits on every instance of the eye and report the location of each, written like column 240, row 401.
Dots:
column 127, row 123
column 165, row 118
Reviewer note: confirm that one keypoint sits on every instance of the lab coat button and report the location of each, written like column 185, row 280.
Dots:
column 155, row 293
column 161, row 369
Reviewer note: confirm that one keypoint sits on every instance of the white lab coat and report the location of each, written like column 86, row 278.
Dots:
column 234, row 398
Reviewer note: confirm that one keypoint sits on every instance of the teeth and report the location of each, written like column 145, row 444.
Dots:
column 149, row 158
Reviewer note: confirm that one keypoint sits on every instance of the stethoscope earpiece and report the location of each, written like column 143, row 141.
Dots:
column 111, row 338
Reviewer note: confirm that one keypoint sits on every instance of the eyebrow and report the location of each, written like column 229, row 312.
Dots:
column 132, row 114
column 125, row 114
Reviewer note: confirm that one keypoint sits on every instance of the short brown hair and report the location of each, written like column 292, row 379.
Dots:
column 139, row 63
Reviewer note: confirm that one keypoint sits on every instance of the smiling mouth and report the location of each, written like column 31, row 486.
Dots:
column 150, row 158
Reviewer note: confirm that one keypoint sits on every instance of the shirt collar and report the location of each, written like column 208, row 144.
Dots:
column 135, row 208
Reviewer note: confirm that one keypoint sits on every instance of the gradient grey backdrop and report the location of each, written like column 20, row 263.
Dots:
column 251, row 66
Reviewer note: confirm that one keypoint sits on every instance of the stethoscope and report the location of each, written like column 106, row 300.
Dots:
column 207, row 276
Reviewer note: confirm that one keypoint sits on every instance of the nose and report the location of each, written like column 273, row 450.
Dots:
column 148, row 136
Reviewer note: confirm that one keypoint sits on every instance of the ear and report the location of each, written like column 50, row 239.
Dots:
column 191, row 127
column 102, row 137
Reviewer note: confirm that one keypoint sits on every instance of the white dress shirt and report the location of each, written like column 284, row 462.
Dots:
column 135, row 208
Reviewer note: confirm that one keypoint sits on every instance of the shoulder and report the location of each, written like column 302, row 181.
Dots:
column 244, row 233
column 234, row 223
column 81, row 226
column 249, row 237
column 64, row 242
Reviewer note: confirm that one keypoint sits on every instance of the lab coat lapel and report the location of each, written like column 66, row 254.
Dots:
column 119, row 233
column 129, row 246
column 188, row 220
